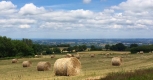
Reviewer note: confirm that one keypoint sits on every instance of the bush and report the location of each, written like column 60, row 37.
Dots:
column 144, row 48
column 15, row 48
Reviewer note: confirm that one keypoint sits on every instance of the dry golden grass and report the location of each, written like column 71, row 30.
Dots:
column 92, row 68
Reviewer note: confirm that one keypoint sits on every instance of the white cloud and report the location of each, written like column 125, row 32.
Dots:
column 108, row 11
column 24, row 26
column 17, row 21
column 135, row 5
column 117, row 26
column 86, row 1
column 6, row 26
column 30, row 9
column 7, row 7
column 130, row 15
column 136, row 14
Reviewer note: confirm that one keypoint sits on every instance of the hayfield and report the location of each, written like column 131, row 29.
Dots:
column 92, row 68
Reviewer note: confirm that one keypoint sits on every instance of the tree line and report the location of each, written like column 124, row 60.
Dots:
column 26, row 48
column 22, row 48
column 133, row 48
column 11, row 48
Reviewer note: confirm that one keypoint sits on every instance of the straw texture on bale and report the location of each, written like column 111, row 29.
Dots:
column 14, row 60
column 116, row 61
column 26, row 63
column 67, row 66
column 72, row 55
column 43, row 66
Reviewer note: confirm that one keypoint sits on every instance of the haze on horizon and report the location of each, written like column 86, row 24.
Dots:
column 76, row 19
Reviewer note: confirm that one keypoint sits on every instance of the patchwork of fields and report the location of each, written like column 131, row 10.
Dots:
column 92, row 68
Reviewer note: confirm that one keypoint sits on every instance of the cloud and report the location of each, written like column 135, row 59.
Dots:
column 136, row 14
column 135, row 5
column 24, row 26
column 86, row 1
column 7, row 7
column 31, row 9
column 17, row 21
column 129, row 16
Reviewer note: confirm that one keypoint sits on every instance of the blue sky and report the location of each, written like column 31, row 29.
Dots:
column 95, row 5
column 75, row 19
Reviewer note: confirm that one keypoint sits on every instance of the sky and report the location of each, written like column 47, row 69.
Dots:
column 76, row 19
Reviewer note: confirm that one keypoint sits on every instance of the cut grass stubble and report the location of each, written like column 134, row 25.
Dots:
column 100, row 65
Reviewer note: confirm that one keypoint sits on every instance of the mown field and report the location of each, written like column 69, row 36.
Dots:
column 92, row 68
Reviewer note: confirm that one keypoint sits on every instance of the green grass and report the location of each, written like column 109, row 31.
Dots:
column 142, row 74
column 92, row 68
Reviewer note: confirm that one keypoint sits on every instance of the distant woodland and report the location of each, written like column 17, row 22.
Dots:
column 26, row 48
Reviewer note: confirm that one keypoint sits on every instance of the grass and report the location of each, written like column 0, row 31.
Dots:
column 92, row 68
column 142, row 74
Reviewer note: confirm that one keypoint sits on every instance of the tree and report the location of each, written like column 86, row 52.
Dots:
column 70, row 49
column 120, row 47
column 56, row 50
column 38, row 48
column 107, row 46
column 93, row 48
column 22, row 49
column 144, row 48
column 6, row 47
column 76, row 48
column 49, row 51
column 27, row 41
column 84, row 47
column 113, row 47
column 133, row 45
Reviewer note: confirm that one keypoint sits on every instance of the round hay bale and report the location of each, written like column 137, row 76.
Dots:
column 116, row 61
column 107, row 54
column 26, row 63
column 36, row 56
column 78, row 56
column 52, row 56
column 43, row 66
column 67, row 66
column 14, row 60
column 141, row 52
column 92, row 55
column 69, row 55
